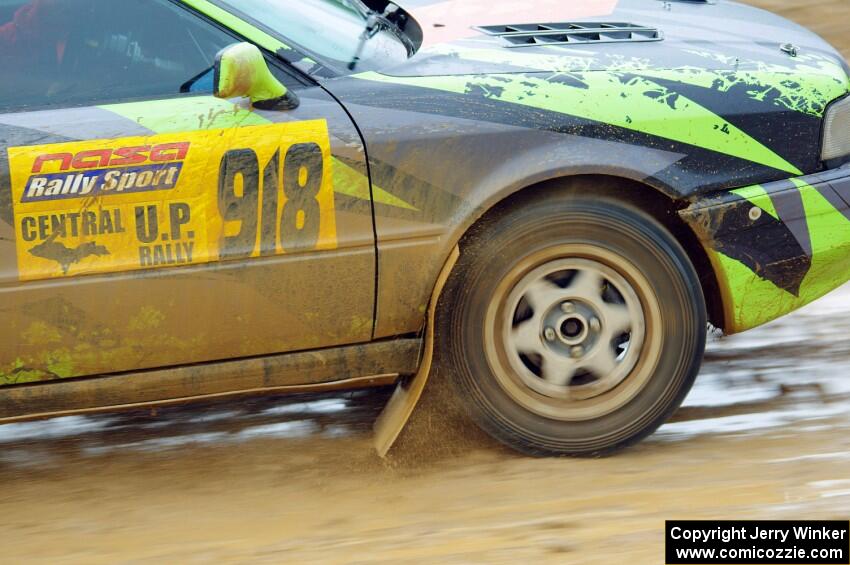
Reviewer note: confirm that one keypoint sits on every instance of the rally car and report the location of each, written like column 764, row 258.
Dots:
column 208, row 198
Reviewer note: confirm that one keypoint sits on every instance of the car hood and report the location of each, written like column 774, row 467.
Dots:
column 704, row 34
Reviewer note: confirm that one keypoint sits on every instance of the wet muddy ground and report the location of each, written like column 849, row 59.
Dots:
column 764, row 434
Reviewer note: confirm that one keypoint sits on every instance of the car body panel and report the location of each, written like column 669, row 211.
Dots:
column 776, row 247
column 421, row 150
column 78, row 310
column 378, row 363
column 684, row 23
column 453, row 146
column 467, row 121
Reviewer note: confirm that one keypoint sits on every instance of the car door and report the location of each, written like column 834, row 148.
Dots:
column 145, row 223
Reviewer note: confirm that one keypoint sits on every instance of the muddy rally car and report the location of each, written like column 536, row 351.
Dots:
column 208, row 198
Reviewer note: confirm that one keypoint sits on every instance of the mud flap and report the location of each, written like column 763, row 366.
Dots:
column 400, row 407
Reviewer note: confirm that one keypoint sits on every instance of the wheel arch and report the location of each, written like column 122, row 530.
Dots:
column 653, row 200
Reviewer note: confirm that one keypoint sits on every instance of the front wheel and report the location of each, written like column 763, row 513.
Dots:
column 572, row 326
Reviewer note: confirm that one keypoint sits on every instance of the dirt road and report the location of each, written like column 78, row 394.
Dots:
column 765, row 434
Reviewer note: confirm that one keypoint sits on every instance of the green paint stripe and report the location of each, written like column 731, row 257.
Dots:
column 807, row 94
column 206, row 112
column 558, row 61
column 806, row 63
column 638, row 104
column 829, row 228
column 349, row 181
column 755, row 301
column 801, row 184
column 806, row 87
column 190, row 113
column 759, row 197
column 237, row 25
column 383, row 197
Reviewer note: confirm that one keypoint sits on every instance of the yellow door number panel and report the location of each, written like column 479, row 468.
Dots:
column 174, row 199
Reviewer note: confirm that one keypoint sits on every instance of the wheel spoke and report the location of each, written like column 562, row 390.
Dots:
column 571, row 329
column 526, row 336
column 557, row 370
column 587, row 285
column 602, row 362
column 541, row 294
column 616, row 318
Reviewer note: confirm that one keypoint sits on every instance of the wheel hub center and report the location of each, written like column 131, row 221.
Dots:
column 573, row 329
column 569, row 333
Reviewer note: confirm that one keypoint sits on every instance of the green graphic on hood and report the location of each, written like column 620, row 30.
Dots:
column 809, row 94
column 808, row 84
column 633, row 103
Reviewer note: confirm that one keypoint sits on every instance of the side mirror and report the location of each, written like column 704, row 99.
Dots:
column 241, row 71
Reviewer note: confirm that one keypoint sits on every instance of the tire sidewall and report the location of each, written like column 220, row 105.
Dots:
column 620, row 229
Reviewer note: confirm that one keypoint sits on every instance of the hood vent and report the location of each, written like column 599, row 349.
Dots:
column 571, row 33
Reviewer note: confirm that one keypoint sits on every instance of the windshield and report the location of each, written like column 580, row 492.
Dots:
column 328, row 29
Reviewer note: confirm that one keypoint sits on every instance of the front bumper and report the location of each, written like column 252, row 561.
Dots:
column 776, row 247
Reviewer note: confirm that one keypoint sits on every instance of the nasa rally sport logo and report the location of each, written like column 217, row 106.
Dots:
column 166, row 200
column 96, row 172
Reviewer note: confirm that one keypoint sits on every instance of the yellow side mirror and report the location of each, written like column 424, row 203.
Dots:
column 241, row 71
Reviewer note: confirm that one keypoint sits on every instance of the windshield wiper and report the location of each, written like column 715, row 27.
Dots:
column 375, row 22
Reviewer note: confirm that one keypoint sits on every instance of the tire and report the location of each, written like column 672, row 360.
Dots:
column 571, row 326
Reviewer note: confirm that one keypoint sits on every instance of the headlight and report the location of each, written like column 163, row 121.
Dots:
column 836, row 131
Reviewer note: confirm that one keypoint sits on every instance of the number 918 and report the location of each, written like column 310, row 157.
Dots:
column 298, row 225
